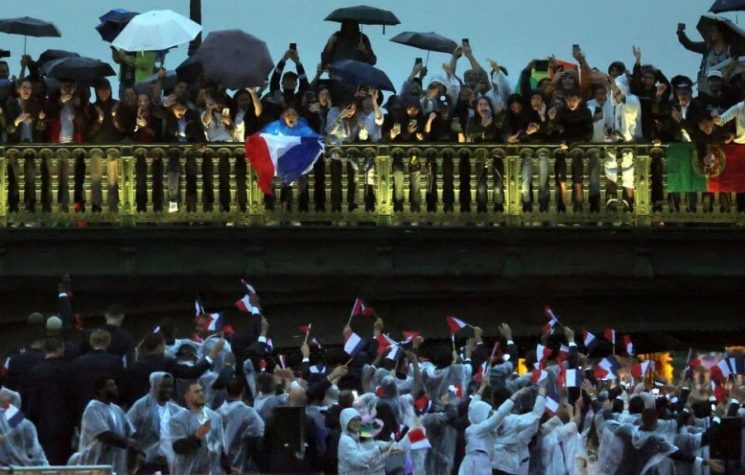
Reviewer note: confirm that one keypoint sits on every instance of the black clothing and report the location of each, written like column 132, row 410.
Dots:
column 86, row 369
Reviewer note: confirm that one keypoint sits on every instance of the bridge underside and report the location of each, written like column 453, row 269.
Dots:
column 669, row 287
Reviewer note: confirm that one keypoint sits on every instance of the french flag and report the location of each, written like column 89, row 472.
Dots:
column 572, row 378
column 542, row 354
column 384, row 342
column 480, row 372
column 721, row 371
column 353, row 344
column 422, row 404
column 736, row 365
column 639, row 370
column 610, row 335
column 285, row 157
column 589, row 340
column 418, row 439
column 409, row 336
column 628, row 345
column 244, row 305
column 457, row 390
column 455, row 324
column 552, row 403
column 305, row 328
column 538, row 375
column 605, row 369
column 13, row 415
column 361, row 308
column 550, row 326
column 563, row 353
column 214, row 321
column 198, row 307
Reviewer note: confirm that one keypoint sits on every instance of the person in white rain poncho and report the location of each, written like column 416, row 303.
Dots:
column 560, row 441
column 511, row 454
column 151, row 416
column 19, row 444
column 197, row 437
column 356, row 458
column 105, row 432
column 480, row 434
column 243, row 429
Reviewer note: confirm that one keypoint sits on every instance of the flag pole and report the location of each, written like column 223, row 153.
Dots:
column 306, row 337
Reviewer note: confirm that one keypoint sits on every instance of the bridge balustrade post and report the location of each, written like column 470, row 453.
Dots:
column 513, row 195
column 127, row 187
column 256, row 210
column 3, row 189
column 642, row 185
column 383, row 195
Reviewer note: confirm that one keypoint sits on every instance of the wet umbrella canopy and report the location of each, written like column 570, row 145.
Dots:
column 28, row 26
column 736, row 34
column 81, row 68
column 361, row 74
column 364, row 15
column 113, row 22
column 427, row 41
column 235, row 59
column 721, row 6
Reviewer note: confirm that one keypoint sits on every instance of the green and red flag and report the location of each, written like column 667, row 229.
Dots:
column 722, row 170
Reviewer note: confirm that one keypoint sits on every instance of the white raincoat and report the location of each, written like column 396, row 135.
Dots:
column 480, row 435
column 98, row 418
column 240, row 423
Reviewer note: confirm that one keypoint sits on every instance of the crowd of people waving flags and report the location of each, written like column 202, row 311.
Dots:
column 226, row 400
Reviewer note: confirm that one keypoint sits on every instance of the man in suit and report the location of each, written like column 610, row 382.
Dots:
column 95, row 364
column 121, row 342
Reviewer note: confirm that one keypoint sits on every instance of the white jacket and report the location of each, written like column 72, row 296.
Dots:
column 511, row 439
column 627, row 115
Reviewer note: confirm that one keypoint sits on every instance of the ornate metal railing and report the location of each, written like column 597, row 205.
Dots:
column 391, row 184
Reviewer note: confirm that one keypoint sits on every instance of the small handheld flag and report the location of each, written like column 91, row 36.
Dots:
column 305, row 329
column 455, row 324
column 418, row 439
column 610, row 335
column 13, row 415
column 628, row 345
column 552, row 323
column 353, row 344
column 589, row 340
column 214, row 321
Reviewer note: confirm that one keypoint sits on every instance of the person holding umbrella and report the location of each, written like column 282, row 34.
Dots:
column 716, row 48
column 348, row 43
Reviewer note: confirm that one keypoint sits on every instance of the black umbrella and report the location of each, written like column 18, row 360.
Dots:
column 28, row 26
column 235, row 59
column 427, row 41
column 80, row 68
column 52, row 54
column 361, row 74
column 721, row 6
column 113, row 22
column 190, row 70
column 364, row 15
column 736, row 34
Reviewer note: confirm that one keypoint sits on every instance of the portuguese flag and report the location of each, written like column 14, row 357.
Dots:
column 686, row 173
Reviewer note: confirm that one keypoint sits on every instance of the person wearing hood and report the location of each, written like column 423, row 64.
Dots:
column 19, row 444
column 354, row 457
column 243, row 429
column 437, row 422
column 197, row 437
column 511, row 455
column 150, row 416
column 480, row 434
column 560, row 440
column 105, row 432
column 627, row 128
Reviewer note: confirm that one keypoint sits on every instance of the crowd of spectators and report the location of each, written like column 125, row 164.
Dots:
column 550, row 101
column 225, row 401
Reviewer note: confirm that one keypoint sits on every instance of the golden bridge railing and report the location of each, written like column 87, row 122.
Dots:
column 388, row 184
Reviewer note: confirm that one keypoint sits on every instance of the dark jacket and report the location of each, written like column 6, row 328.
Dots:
column 13, row 110
column 121, row 342
column 494, row 132
column 104, row 132
column 647, row 98
column 53, row 110
column 86, row 369
column 573, row 126
column 48, row 400
column 289, row 97
column 194, row 129
column 19, row 367
column 137, row 376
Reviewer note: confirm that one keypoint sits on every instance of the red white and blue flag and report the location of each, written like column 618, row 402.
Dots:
column 639, row 370
column 244, row 303
column 361, row 308
column 353, row 344
column 552, row 402
column 628, row 345
column 214, row 321
column 589, row 340
column 13, row 415
column 418, row 439
column 455, row 324
column 550, row 326
column 305, row 328
column 542, row 354
column 610, row 335
column 285, row 157
column 198, row 307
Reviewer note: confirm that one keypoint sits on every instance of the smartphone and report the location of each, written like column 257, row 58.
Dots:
column 465, row 41
column 226, row 112
column 397, row 127
column 681, row 26
column 575, row 46
column 293, row 46
column 541, row 65
column 418, row 61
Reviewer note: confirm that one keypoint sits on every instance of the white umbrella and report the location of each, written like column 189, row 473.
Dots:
column 156, row 30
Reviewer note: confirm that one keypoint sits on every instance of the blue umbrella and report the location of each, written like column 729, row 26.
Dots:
column 361, row 74
column 113, row 22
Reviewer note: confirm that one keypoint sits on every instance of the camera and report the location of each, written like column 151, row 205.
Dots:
column 4, row 53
